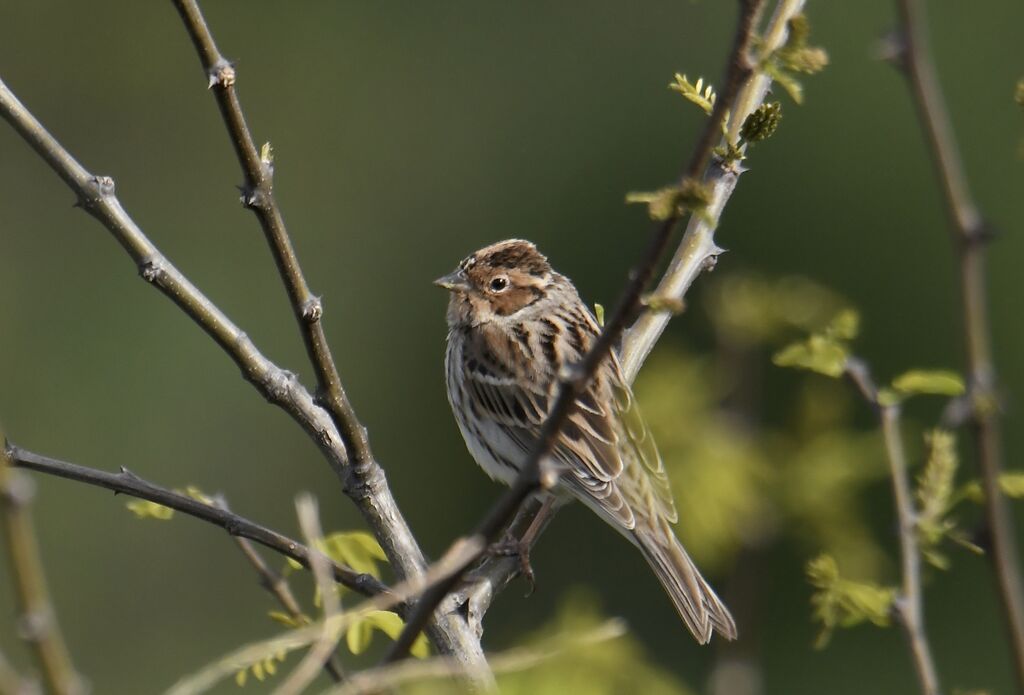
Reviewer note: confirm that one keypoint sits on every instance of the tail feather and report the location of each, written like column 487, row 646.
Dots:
column 695, row 601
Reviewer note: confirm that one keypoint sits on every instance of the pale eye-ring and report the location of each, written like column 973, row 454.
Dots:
column 499, row 284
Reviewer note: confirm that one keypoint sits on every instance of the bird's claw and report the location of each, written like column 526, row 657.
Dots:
column 510, row 545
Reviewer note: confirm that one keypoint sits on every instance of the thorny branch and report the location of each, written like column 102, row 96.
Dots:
column 909, row 602
column 970, row 236
column 128, row 483
column 38, row 620
column 696, row 253
column 534, row 476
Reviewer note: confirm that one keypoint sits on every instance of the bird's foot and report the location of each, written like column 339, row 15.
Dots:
column 509, row 546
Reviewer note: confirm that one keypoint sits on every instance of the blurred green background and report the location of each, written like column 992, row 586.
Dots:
column 406, row 136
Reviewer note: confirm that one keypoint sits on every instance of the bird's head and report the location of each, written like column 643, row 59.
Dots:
column 497, row 282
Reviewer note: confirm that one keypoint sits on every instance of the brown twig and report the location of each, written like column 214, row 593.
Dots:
column 909, row 602
column 38, row 620
column 278, row 587
column 128, row 483
column 363, row 480
column 280, row 387
column 970, row 236
column 532, row 476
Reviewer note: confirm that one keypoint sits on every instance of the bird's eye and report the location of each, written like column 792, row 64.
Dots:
column 499, row 283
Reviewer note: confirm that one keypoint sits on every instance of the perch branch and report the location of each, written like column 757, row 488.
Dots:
column 970, row 235
column 696, row 253
column 128, row 483
column 280, row 387
column 533, row 476
column 38, row 620
column 909, row 603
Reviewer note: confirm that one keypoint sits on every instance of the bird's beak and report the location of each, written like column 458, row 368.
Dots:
column 453, row 281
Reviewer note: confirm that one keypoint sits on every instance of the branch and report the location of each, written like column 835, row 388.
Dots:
column 280, row 387
column 908, row 604
column 971, row 235
column 533, row 476
column 364, row 482
column 278, row 587
column 258, row 196
column 128, row 483
column 38, row 620
column 698, row 251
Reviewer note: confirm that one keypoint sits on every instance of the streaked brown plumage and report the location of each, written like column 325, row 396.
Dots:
column 514, row 324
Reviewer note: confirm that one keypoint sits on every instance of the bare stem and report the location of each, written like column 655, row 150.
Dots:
column 364, row 481
column 280, row 387
column 278, row 587
column 38, row 620
column 533, row 477
column 909, row 602
column 128, row 483
column 970, row 237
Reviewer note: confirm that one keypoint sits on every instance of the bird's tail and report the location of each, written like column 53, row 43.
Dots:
column 695, row 601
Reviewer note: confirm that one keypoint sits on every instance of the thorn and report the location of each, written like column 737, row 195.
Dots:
column 891, row 48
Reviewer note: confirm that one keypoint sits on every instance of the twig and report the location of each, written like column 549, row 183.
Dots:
column 38, row 620
column 517, row 659
column 908, row 604
column 364, row 481
column 12, row 683
column 696, row 253
column 128, row 483
column 532, row 477
column 970, row 236
column 280, row 387
column 244, row 657
column 321, row 651
column 278, row 587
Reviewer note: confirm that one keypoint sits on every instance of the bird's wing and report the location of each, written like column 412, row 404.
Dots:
column 588, row 451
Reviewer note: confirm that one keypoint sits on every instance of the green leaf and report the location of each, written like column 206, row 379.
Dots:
column 144, row 509
column 695, row 93
column 356, row 549
column 935, row 382
column 599, row 314
column 360, row 632
column 1012, row 485
column 840, row 602
column 845, row 325
column 818, row 353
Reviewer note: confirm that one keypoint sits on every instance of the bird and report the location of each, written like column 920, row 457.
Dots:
column 515, row 326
